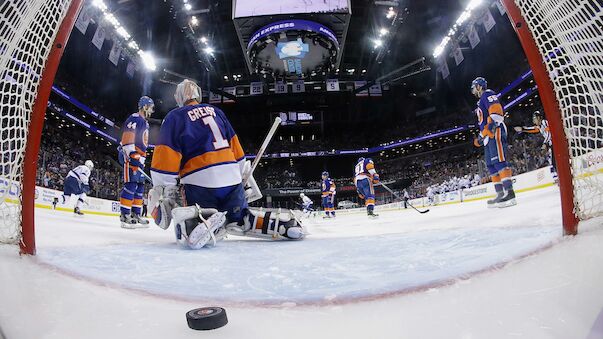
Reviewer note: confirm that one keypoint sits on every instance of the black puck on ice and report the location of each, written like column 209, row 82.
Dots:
column 206, row 318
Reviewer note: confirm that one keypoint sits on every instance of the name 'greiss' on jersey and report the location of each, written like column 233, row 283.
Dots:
column 197, row 144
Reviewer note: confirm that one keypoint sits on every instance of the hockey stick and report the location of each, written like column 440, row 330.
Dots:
column 116, row 164
column 147, row 177
column 398, row 197
column 262, row 149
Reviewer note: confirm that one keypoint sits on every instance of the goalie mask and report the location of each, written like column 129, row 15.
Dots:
column 187, row 91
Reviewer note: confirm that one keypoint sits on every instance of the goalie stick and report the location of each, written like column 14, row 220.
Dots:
column 262, row 149
column 398, row 197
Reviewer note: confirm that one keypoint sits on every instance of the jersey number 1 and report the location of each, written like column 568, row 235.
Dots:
column 219, row 142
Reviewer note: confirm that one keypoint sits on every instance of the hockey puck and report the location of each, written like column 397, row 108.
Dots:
column 206, row 318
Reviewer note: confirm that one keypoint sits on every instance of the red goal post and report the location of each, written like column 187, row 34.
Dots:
column 33, row 35
column 563, row 42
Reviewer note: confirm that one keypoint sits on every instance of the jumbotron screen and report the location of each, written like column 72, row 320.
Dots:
column 250, row 8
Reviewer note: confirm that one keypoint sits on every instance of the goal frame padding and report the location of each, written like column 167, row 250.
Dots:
column 34, row 136
column 552, row 113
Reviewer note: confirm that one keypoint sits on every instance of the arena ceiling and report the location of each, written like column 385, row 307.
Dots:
column 164, row 28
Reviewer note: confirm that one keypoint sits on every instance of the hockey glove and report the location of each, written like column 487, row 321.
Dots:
column 376, row 179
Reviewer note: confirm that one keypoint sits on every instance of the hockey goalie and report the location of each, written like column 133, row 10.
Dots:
column 198, row 170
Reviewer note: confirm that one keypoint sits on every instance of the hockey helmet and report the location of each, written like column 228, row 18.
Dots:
column 89, row 164
column 146, row 105
column 478, row 81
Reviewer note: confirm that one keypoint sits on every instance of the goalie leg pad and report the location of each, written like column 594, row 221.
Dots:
column 195, row 227
column 274, row 224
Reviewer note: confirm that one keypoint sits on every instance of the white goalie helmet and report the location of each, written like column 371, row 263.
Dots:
column 89, row 164
column 186, row 91
column 301, row 195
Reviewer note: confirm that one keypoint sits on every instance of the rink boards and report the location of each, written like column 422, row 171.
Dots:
column 529, row 181
column 524, row 182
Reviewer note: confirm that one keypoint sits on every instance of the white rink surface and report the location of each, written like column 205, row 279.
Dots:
column 459, row 271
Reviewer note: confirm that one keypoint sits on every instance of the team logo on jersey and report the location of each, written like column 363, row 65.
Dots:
column 145, row 138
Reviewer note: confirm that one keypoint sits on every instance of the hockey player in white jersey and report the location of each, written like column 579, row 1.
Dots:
column 430, row 196
column 77, row 183
column 307, row 205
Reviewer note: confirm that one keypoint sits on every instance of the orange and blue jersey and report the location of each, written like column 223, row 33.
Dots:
column 364, row 169
column 198, row 145
column 135, row 140
column 490, row 118
column 489, row 113
column 328, row 187
column 364, row 174
column 328, row 196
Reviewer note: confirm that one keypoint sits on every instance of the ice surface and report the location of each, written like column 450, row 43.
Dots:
column 460, row 271
column 314, row 270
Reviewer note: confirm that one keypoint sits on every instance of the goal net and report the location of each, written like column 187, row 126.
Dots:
column 569, row 36
column 28, row 29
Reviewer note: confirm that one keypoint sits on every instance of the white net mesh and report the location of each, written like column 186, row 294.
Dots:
column 569, row 34
column 27, row 31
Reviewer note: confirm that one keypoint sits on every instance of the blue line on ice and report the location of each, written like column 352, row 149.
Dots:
column 312, row 270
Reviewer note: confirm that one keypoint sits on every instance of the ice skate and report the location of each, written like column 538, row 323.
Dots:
column 77, row 211
column 140, row 220
column 493, row 203
column 128, row 222
column 372, row 214
column 508, row 200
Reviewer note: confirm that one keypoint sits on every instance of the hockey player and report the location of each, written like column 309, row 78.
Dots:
column 365, row 176
column 430, row 196
column 328, row 195
column 132, row 155
column 541, row 125
column 493, row 136
column 199, row 149
column 406, row 198
column 77, row 182
column 307, row 204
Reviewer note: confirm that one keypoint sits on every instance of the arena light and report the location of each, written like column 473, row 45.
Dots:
column 465, row 15
column 123, row 33
column 390, row 13
column 203, row 39
column 188, row 7
column 148, row 60
column 377, row 43
column 100, row 4
column 209, row 50
column 383, row 31
column 194, row 21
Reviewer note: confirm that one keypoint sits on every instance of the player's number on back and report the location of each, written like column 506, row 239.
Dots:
column 219, row 142
column 131, row 125
column 492, row 98
column 359, row 168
